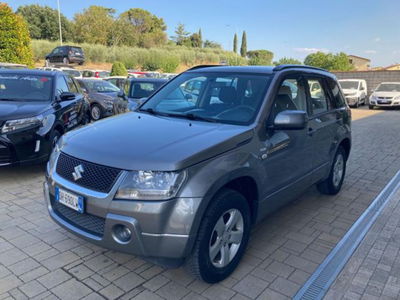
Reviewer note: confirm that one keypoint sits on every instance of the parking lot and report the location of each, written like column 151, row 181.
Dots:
column 39, row 259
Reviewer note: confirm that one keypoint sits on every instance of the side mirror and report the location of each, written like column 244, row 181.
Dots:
column 121, row 94
column 291, row 119
column 141, row 100
column 66, row 96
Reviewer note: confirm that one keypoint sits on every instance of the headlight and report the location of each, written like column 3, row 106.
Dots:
column 109, row 102
column 396, row 98
column 14, row 125
column 150, row 185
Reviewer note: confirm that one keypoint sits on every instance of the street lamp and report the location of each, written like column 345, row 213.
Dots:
column 59, row 21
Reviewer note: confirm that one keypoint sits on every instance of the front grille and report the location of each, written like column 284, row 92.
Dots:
column 5, row 155
column 86, row 222
column 385, row 98
column 95, row 177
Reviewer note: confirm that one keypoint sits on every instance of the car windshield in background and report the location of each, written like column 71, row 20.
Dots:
column 212, row 97
column 21, row 87
column 143, row 89
column 389, row 87
column 349, row 85
column 101, row 86
column 73, row 73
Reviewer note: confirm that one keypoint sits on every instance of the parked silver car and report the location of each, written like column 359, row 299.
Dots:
column 185, row 177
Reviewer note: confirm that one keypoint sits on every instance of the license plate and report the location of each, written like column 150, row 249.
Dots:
column 71, row 200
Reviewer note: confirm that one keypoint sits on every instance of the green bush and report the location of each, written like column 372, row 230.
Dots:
column 14, row 38
column 162, row 58
column 118, row 69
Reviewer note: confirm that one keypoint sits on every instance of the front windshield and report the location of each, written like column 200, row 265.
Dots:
column 101, row 86
column 216, row 97
column 22, row 87
column 349, row 85
column 388, row 87
column 73, row 73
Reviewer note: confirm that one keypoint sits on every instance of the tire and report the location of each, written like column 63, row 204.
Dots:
column 370, row 106
column 47, row 63
column 53, row 138
column 66, row 61
column 333, row 184
column 228, row 205
column 96, row 112
column 81, row 63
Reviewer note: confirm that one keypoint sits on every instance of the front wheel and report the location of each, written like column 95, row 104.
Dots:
column 95, row 112
column 333, row 184
column 222, row 238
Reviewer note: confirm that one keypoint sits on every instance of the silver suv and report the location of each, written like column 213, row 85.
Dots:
column 185, row 177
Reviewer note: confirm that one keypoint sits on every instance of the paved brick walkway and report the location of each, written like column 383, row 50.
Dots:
column 373, row 272
column 38, row 259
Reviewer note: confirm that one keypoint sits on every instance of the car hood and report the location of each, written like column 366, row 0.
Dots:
column 386, row 94
column 12, row 110
column 138, row 141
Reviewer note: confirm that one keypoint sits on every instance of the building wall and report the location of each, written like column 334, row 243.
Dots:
column 359, row 63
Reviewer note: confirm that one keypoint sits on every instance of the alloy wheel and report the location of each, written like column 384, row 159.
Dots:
column 226, row 238
column 338, row 170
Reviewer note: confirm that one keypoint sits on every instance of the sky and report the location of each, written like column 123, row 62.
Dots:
column 288, row 28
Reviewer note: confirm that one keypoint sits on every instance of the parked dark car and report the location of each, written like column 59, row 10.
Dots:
column 36, row 108
column 186, row 183
column 105, row 98
column 138, row 89
column 66, row 55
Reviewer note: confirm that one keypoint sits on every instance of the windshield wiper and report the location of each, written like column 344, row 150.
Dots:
column 191, row 116
column 153, row 112
column 8, row 99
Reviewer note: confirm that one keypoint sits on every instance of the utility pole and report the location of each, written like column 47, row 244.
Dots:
column 59, row 21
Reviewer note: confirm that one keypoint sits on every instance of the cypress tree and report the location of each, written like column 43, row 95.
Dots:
column 235, row 41
column 243, row 47
column 201, row 38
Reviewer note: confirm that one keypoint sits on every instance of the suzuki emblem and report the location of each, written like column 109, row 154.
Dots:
column 78, row 172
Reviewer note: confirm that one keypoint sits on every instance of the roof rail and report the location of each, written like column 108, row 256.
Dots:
column 282, row 67
column 203, row 66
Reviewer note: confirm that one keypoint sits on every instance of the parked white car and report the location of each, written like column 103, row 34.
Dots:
column 69, row 71
column 387, row 94
column 355, row 91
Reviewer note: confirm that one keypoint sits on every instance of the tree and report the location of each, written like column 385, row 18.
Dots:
column 243, row 47
column 329, row 61
column 14, row 38
column 118, row 69
column 235, row 43
column 43, row 22
column 180, row 34
column 200, row 38
column 260, row 57
column 212, row 44
column 149, row 29
column 94, row 25
column 287, row 61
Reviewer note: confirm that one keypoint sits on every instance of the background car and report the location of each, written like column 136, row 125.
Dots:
column 95, row 74
column 139, row 88
column 105, row 98
column 36, row 108
column 355, row 91
column 66, row 55
column 387, row 94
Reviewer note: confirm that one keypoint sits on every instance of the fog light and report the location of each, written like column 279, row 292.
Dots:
column 122, row 234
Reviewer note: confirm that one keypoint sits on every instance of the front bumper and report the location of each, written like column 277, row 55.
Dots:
column 160, row 229
column 351, row 100
column 389, row 103
column 23, row 148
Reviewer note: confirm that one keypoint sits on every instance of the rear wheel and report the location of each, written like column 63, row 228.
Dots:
column 47, row 63
column 333, row 184
column 96, row 112
column 222, row 238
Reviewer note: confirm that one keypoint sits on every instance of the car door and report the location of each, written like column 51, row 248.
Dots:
column 66, row 110
column 53, row 55
column 286, row 154
column 322, row 125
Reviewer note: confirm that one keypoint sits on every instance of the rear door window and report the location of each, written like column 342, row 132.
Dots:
column 318, row 96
